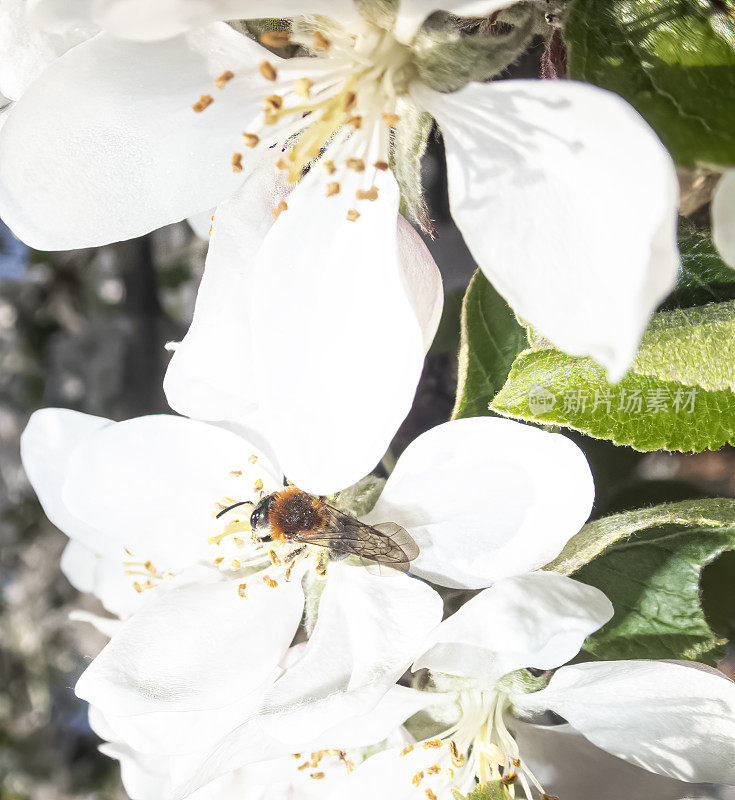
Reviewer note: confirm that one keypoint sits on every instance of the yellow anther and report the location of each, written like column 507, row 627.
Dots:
column 317, row 776
column 237, row 162
column 355, row 163
column 407, row 749
column 272, row 102
column 509, row 780
column 353, row 215
column 268, row 71
column 356, row 122
column 431, row 795
column 275, row 38
column 381, row 165
column 316, row 758
column 274, row 558
column 348, row 100
column 329, row 167
column 241, row 589
column 238, row 542
column 258, row 486
column 367, row 194
column 296, row 755
column 432, row 743
column 332, row 189
column 269, row 582
column 516, row 762
column 391, row 120
column 217, row 561
column 224, row 79
column 138, row 588
column 320, row 41
column 281, row 163
column 434, row 769
column 235, row 565
column 150, row 568
column 203, row 102
column 251, row 139
column 252, row 459
column 279, row 209
column 417, row 778
column 236, row 473
column 303, row 766
column 302, row 87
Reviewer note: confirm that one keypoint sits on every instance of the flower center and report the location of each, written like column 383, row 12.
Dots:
column 339, row 105
column 478, row 747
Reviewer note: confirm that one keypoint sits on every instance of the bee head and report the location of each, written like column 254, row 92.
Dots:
column 260, row 519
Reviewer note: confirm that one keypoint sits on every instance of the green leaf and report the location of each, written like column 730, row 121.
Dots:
column 491, row 338
column 705, row 277
column 678, row 394
column 674, row 60
column 650, row 563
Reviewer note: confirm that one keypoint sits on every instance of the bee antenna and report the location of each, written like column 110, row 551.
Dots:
column 235, row 505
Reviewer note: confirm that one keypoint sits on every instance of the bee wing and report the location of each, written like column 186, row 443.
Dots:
column 386, row 545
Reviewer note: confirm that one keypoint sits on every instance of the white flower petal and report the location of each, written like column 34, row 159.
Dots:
column 46, row 448
column 145, row 21
column 105, row 625
column 412, row 13
column 193, row 647
column 543, row 176
column 211, row 374
column 201, row 223
column 26, row 50
column 368, row 629
column 105, row 578
column 723, row 217
column 568, row 765
column 105, row 144
column 486, row 498
column 539, row 620
column 152, row 485
column 668, row 718
column 338, row 361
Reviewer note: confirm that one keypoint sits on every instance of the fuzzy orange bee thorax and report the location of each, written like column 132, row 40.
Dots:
column 293, row 511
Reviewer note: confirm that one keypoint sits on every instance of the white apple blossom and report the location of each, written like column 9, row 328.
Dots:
column 670, row 719
column 543, row 175
column 210, row 613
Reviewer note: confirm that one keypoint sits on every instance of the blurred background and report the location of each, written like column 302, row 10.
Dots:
column 86, row 330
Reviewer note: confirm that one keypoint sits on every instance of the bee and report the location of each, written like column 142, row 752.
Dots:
column 293, row 516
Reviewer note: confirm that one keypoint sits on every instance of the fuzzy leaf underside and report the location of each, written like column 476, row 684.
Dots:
column 649, row 562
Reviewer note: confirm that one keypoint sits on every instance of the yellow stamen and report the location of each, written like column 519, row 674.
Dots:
column 329, row 167
column 332, row 189
column 236, row 473
column 302, row 87
column 274, row 558
column 367, row 194
column 391, row 120
column 258, row 486
column 432, row 743
column 275, row 38
column 417, row 778
column 252, row 459
column 272, row 102
column 320, row 41
column 356, row 122
column 251, row 139
column 407, row 749
column 224, row 79
column 381, row 165
column 237, row 162
column 355, row 163
column 279, row 209
column 268, row 71
column 353, row 215
column 203, row 102
column 269, row 582
column 241, row 589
